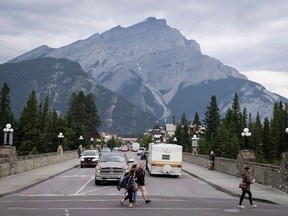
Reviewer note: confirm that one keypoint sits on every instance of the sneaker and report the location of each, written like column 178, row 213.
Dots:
column 131, row 205
column 148, row 201
column 118, row 187
column 253, row 206
column 135, row 204
column 241, row 206
column 122, row 202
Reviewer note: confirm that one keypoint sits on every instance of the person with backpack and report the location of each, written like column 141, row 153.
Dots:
column 124, row 183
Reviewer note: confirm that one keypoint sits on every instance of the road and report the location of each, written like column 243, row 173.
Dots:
column 74, row 193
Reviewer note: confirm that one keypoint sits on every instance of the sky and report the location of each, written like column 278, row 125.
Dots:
column 248, row 35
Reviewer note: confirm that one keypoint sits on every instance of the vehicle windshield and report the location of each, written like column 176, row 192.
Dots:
column 90, row 153
column 112, row 158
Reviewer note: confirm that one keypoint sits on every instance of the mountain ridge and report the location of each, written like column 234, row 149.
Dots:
column 150, row 63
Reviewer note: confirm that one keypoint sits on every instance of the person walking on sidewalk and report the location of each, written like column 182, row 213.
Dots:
column 211, row 161
column 140, row 176
column 247, row 178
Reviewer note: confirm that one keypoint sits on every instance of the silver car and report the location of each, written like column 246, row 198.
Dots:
column 111, row 166
column 89, row 158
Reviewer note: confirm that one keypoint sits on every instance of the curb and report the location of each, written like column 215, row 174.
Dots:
column 225, row 190
column 35, row 183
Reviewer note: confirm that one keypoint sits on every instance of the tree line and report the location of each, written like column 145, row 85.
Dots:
column 37, row 129
column 223, row 134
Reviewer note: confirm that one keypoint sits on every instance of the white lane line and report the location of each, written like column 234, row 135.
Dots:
column 97, row 189
column 67, row 212
column 84, row 185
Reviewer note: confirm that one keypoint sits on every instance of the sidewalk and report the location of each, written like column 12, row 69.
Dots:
column 229, row 184
column 223, row 182
column 15, row 183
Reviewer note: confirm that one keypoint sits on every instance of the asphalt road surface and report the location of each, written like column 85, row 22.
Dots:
column 74, row 193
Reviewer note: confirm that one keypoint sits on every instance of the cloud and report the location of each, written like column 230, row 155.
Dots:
column 247, row 35
column 273, row 81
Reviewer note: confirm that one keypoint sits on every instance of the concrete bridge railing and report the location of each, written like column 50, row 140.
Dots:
column 266, row 174
column 10, row 164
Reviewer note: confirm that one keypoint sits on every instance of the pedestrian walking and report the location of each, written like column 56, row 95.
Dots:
column 140, row 176
column 129, row 188
column 79, row 152
column 134, row 194
column 211, row 161
column 247, row 180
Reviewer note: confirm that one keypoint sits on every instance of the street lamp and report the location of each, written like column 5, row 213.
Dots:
column 194, row 144
column 175, row 140
column 60, row 136
column 194, row 141
column 286, row 130
column 246, row 134
column 8, row 135
column 91, row 140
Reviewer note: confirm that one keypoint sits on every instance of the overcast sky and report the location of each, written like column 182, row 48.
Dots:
column 249, row 35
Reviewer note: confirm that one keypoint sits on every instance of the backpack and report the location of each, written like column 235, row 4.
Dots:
column 123, row 181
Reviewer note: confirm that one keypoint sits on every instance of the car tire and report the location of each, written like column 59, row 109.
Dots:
column 97, row 182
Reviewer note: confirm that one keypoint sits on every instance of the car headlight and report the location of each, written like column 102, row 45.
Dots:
column 82, row 159
column 94, row 159
column 97, row 169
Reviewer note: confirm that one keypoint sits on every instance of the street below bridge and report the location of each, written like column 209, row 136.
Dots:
column 74, row 193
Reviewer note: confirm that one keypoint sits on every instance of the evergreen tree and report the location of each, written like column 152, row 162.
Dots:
column 275, row 135
column 256, row 138
column 82, row 116
column 266, row 140
column 29, row 127
column 196, row 120
column 6, row 114
column 236, row 114
column 212, row 120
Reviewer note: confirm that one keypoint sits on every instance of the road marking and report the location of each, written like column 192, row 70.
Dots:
column 84, row 185
column 97, row 189
column 67, row 212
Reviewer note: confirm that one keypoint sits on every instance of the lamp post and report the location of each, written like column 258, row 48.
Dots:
column 8, row 135
column 286, row 130
column 246, row 134
column 60, row 136
column 194, row 144
column 81, row 140
column 91, row 140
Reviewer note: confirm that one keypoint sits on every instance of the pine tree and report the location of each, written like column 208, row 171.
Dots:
column 266, row 140
column 29, row 127
column 256, row 138
column 196, row 120
column 6, row 114
column 212, row 120
column 236, row 113
column 82, row 116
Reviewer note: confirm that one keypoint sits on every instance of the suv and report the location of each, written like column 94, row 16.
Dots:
column 111, row 166
column 89, row 158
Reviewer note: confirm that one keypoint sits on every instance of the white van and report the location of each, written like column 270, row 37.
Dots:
column 164, row 159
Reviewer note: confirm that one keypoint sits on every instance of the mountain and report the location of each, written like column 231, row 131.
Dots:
column 58, row 79
column 160, row 71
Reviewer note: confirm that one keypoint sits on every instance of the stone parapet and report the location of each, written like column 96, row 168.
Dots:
column 10, row 164
column 266, row 174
